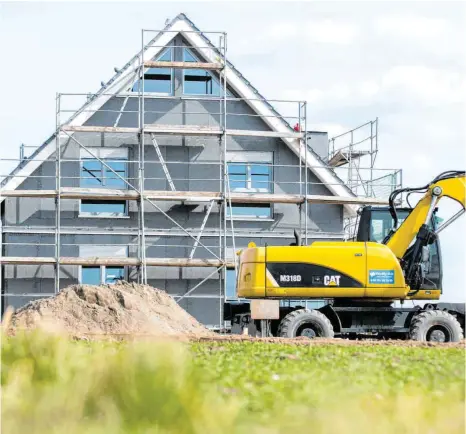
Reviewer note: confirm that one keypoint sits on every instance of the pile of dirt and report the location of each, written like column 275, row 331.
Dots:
column 121, row 309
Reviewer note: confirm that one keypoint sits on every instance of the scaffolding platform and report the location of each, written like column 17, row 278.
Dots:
column 341, row 158
column 188, row 130
column 192, row 196
column 115, row 261
column 182, row 65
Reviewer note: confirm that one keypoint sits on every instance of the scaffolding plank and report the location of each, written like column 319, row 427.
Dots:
column 98, row 129
column 192, row 196
column 188, row 130
column 182, row 65
column 341, row 158
column 257, row 133
column 114, row 261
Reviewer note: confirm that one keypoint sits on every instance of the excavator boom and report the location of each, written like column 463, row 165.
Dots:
column 453, row 186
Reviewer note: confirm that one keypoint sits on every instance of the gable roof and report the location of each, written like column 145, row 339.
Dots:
column 235, row 80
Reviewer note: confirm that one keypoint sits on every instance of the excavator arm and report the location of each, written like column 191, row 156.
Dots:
column 416, row 226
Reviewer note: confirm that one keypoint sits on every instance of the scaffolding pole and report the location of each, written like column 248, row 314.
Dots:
column 58, row 195
column 306, row 189
column 142, row 251
column 225, row 178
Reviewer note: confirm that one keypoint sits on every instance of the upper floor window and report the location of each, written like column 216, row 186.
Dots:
column 158, row 80
column 198, row 81
column 250, row 172
column 96, row 174
column 250, row 177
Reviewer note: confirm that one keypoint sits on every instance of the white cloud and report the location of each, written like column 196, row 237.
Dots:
column 332, row 32
column 411, row 26
column 426, row 84
column 281, row 31
column 368, row 88
column 333, row 129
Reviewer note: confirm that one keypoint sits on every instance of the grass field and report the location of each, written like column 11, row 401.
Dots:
column 53, row 385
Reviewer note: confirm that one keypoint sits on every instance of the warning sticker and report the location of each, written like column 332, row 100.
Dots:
column 382, row 277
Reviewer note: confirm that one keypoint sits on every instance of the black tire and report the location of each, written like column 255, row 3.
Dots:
column 435, row 326
column 305, row 322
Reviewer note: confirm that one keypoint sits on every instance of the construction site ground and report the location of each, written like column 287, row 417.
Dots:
column 130, row 311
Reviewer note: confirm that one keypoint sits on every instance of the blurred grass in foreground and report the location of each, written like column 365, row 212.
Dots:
column 53, row 385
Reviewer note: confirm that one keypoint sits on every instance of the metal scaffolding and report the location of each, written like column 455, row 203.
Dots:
column 146, row 134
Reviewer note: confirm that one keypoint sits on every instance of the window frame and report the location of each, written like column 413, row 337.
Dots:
column 214, row 78
column 172, row 77
column 92, row 250
column 249, row 159
column 250, row 217
column 108, row 160
column 103, row 270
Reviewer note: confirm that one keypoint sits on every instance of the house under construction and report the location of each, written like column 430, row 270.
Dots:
column 171, row 167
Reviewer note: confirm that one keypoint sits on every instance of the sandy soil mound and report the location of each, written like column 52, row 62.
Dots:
column 120, row 309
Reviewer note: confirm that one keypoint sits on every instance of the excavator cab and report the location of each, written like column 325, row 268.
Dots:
column 375, row 224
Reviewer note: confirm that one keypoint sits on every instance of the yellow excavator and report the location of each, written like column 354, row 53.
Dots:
column 395, row 257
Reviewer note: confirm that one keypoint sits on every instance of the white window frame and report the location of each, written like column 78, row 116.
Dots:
column 103, row 269
column 228, row 94
column 91, row 250
column 249, row 158
column 104, row 153
column 172, row 78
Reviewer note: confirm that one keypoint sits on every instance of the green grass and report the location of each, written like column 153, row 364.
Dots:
column 53, row 385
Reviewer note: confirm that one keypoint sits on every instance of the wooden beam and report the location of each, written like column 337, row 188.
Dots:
column 188, row 130
column 256, row 133
column 182, row 65
column 114, row 261
column 98, row 129
column 191, row 196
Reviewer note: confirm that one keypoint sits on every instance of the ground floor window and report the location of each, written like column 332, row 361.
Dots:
column 96, row 275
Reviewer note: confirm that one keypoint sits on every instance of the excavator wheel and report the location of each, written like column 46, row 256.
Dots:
column 435, row 326
column 305, row 322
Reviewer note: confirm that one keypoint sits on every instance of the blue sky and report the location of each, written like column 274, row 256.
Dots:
column 352, row 61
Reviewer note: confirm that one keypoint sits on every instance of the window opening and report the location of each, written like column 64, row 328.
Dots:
column 114, row 274
column 250, row 177
column 104, row 207
column 95, row 174
column 90, row 275
column 96, row 275
column 199, row 81
column 158, row 80
column 250, row 211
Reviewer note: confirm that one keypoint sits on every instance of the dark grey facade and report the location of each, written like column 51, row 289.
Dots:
column 194, row 164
